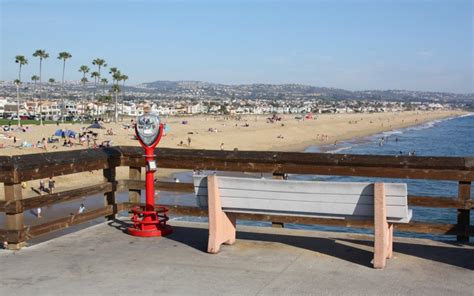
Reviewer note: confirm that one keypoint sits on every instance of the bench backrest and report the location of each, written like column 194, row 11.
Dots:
column 305, row 198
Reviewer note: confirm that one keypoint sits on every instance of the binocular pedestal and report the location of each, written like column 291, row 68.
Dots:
column 150, row 220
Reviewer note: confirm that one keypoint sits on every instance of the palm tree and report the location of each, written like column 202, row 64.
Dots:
column 96, row 76
column 104, row 82
column 63, row 56
column 21, row 60
column 116, row 77
column 84, row 69
column 99, row 63
column 83, row 81
column 51, row 81
column 41, row 54
column 123, row 78
column 35, row 78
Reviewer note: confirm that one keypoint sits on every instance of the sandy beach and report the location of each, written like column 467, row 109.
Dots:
column 219, row 132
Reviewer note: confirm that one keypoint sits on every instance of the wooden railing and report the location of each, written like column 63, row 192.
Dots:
column 16, row 169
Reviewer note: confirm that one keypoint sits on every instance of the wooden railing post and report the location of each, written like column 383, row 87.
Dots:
column 110, row 197
column 464, row 194
column 134, row 173
column 279, row 176
column 14, row 220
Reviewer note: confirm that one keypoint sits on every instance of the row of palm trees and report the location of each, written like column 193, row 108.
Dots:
column 117, row 77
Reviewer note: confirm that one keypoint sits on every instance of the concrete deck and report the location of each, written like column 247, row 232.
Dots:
column 102, row 260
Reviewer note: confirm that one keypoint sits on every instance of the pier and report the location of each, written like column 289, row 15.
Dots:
column 106, row 251
column 265, row 260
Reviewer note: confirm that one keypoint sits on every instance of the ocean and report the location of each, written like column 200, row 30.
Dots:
column 447, row 137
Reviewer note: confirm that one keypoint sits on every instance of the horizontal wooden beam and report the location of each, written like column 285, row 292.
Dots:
column 43, row 165
column 159, row 185
column 439, row 202
column 437, row 168
column 35, row 166
column 6, row 169
column 12, row 236
column 416, row 227
column 68, row 221
column 18, row 206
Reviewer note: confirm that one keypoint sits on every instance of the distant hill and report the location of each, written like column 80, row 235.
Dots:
column 253, row 91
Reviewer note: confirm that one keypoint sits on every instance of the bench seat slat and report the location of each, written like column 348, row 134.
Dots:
column 363, row 188
column 308, row 207
column 298, row 196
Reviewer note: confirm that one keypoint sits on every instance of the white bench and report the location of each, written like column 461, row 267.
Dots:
column 385, row 203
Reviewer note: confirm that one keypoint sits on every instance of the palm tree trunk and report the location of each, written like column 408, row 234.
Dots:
column 123, row 96
column 18, row 96
column 41, row 89
column 116, row 107
column 62, row 106
column 18, row 103
column 95, row 88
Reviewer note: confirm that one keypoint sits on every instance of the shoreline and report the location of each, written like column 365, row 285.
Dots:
column 303, row 146
column 365, row 139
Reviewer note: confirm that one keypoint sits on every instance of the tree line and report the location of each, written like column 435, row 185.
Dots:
column 99, row 63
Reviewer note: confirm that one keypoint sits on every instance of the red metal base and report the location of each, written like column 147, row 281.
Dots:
column 149, row 223
column 159, row 231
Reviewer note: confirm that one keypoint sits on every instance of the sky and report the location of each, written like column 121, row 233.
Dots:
column 355, row 45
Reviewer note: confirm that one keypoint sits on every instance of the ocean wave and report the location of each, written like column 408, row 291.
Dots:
column 339, row 149
column 394, row 132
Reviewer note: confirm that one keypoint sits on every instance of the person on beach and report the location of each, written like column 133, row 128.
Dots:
column 189, row 141
column 38, row 213
column 51, row 185
column 45, row 144
column 41, row 186
column 222, row 146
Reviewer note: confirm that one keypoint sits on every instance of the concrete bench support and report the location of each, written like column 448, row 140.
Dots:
column 383, row 231
column 221, row 225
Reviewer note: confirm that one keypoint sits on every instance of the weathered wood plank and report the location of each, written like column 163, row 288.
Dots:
column 134, row 194
column 59, row 197
column 408, row 162
column 110, row 196
column 66, row 222
column 12, row 235
column 6, row 169
column 439, row 202
column 464, row 215
column 35, row 166
column 160, row 186
column 415, row 227
column 15, row 221
column 43, row 165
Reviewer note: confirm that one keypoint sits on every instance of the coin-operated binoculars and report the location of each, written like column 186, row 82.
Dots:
column 149, row 220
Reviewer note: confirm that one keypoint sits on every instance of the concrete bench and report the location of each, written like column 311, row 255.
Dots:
column 385, row 203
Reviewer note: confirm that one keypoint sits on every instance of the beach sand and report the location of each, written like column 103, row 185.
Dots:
column 248, row 133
